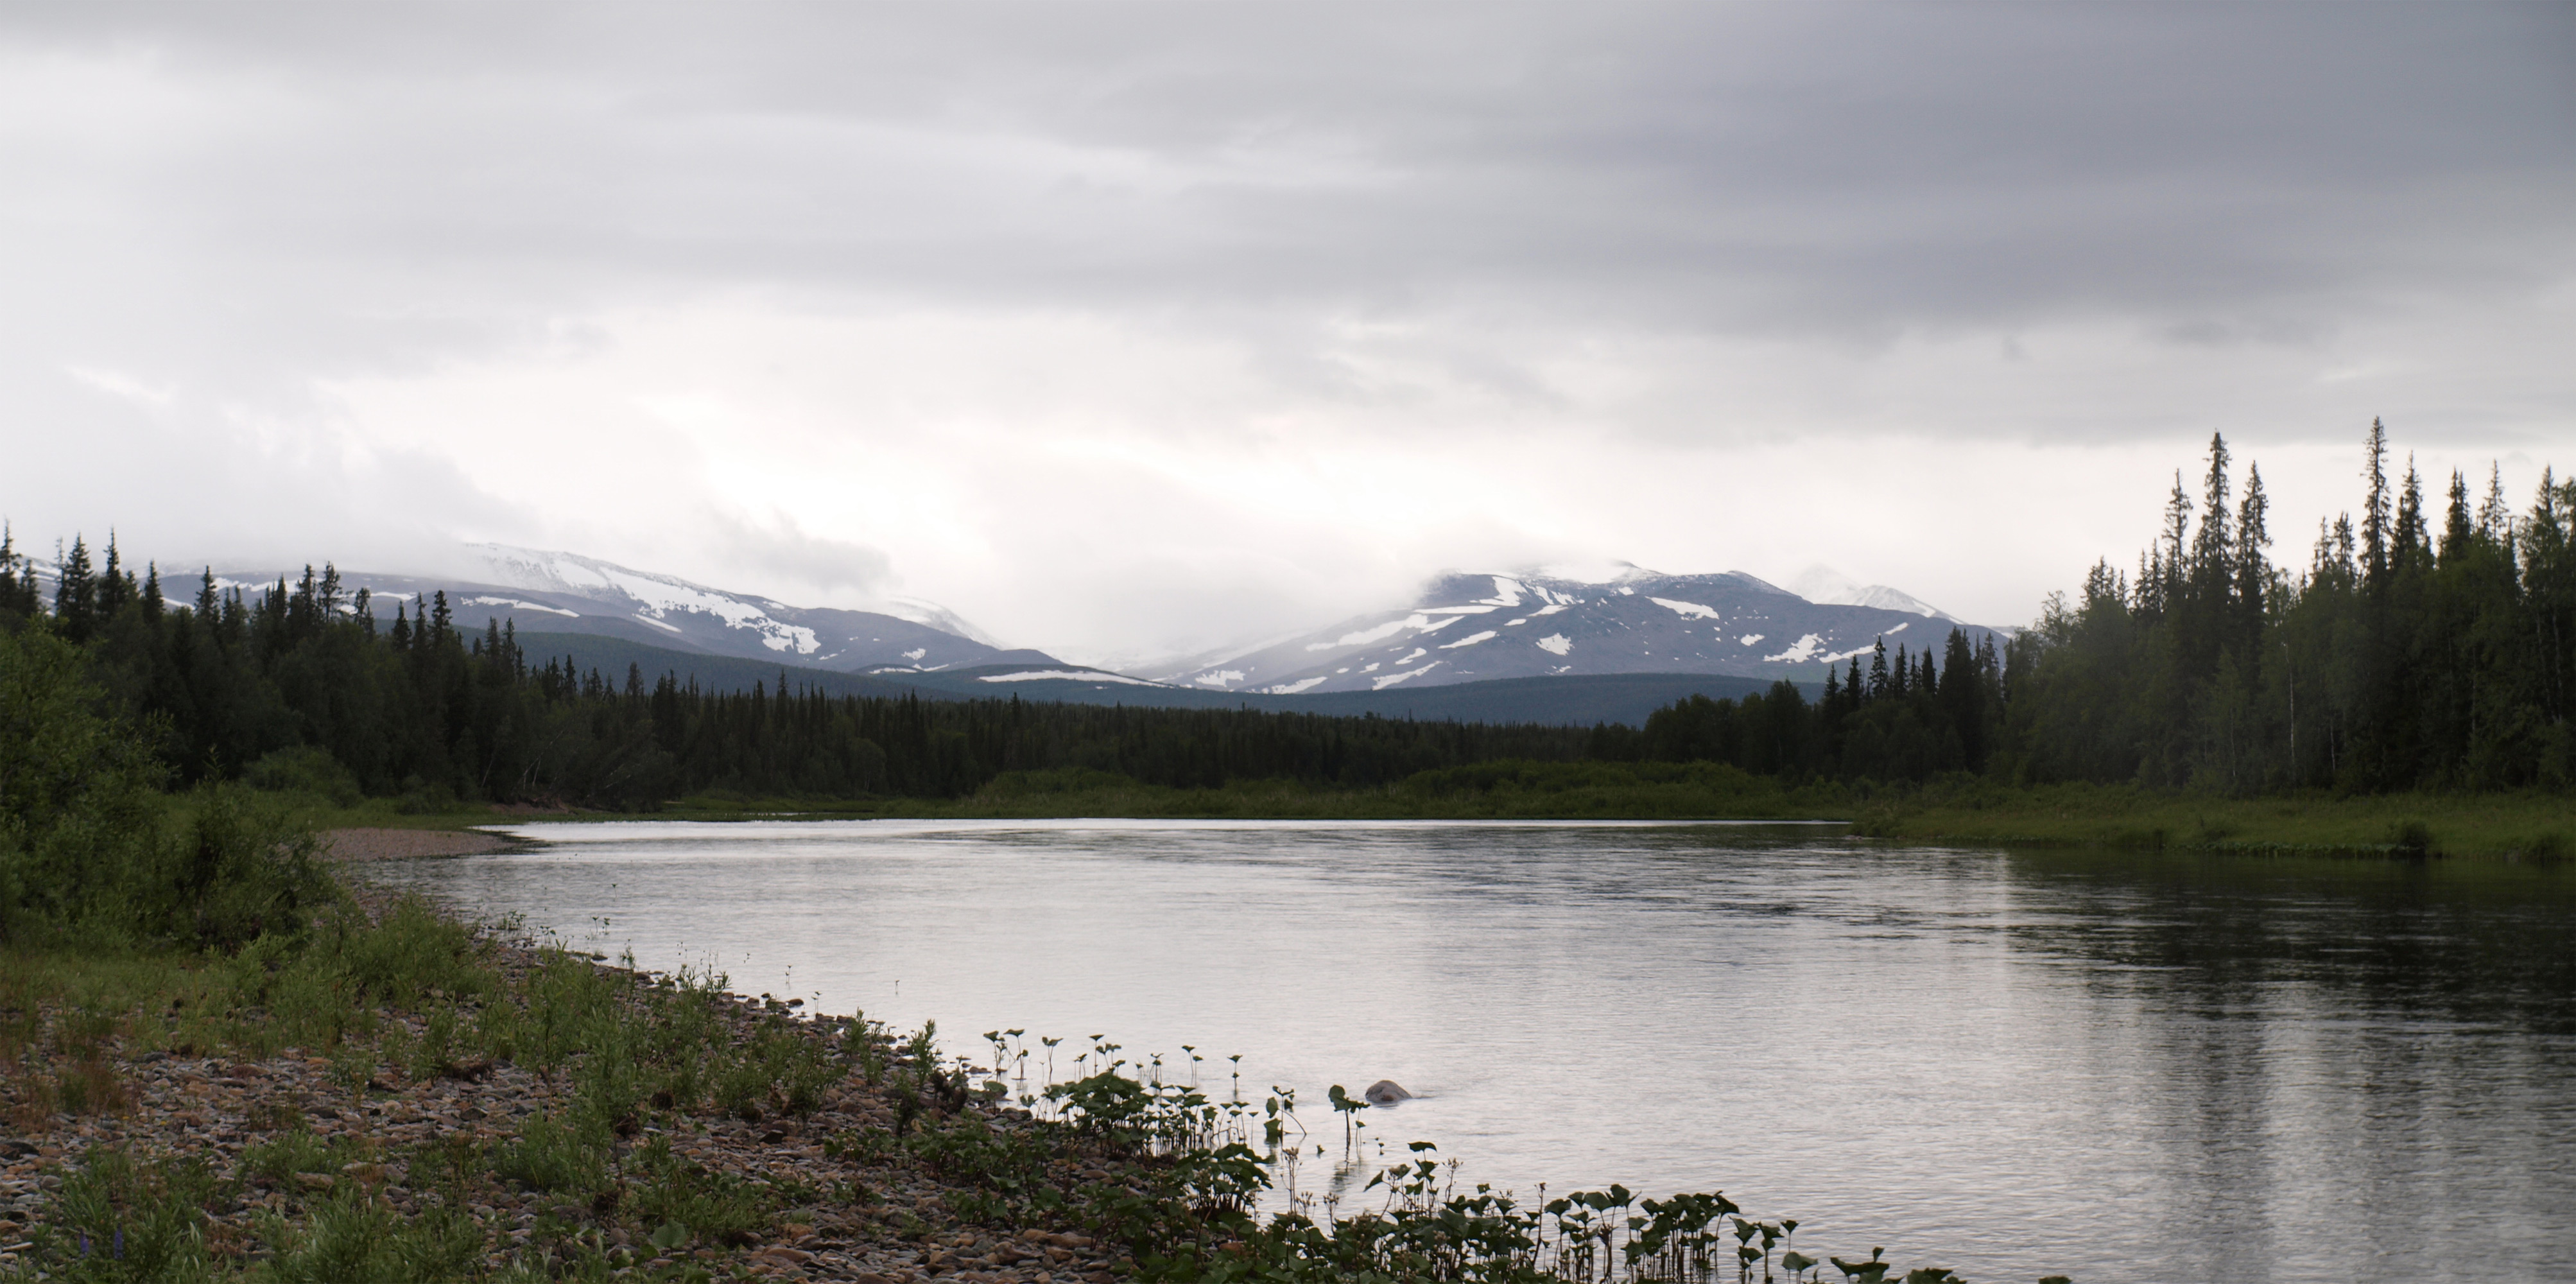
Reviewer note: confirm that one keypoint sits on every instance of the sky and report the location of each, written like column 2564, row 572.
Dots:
column 1132, row 329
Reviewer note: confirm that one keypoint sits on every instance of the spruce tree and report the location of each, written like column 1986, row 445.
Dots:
column 2408, row 539
column 2177, row 527
column 2211, row 548
column 18, row 599
column 2374, row 508
column 115, row 587
column 2495, row 517
column 2253, row 567
column 75, row 593
column 2458, row 532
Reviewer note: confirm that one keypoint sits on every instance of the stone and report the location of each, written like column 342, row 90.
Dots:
column 1386, row 1092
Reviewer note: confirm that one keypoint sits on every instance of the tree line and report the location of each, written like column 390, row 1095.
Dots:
column 2416, row 649
column 305, row 684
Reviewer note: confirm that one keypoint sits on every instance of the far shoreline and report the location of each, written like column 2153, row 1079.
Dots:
column 2518, row 826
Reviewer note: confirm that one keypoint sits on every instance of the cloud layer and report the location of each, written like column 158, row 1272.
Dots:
column 1144, row 326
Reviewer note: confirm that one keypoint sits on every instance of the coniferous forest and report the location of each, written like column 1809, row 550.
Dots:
column 302, row 685
column 2425, row 643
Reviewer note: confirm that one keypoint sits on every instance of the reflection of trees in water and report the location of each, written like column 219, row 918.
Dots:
column 2386, row 1038
column 2441, row 941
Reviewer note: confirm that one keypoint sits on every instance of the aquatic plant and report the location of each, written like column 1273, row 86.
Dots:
column 1186, row 1179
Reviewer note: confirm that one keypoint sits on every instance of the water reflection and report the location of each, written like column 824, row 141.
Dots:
column 2119, row 1066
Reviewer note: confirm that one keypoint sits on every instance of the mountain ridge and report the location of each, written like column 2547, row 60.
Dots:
column 1619, row 619
column 1594, row 621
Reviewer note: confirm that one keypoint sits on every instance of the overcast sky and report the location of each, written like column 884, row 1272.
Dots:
column 1124, row 328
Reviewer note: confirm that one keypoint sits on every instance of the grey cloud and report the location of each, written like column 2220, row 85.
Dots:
column 782, row 550
column 1766, row 168
column 228, row 208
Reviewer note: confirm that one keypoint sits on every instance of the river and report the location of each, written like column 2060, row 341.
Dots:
column 2118, row 1066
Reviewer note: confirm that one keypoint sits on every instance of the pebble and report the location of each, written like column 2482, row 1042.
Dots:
column 217, row 1108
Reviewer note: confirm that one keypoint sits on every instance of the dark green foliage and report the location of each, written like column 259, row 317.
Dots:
column 299, row 692
column 2395, row 662
column 83, row 841
column 2413, row 653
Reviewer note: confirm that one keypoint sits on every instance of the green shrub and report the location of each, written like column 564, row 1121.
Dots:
column 551, row 1154
column 304, row 770
column 76, row 796
column 348, row 1238
column 709, row 1207
column 117, row 1220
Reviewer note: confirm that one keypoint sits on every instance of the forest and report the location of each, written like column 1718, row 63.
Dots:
column 2416, row 649
column 301, row 685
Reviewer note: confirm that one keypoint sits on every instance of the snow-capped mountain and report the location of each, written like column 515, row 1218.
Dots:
column 554, row 592
column 1617, row 619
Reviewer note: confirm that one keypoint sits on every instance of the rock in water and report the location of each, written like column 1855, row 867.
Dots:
column 1386, row 1092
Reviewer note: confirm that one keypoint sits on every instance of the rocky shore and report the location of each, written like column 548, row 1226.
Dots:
column 359, row 846
column 292, row 1132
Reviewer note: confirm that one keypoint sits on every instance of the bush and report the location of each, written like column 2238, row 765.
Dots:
column 241, row 870
column 304, row 770
column 77, row 794
column 120, row 1220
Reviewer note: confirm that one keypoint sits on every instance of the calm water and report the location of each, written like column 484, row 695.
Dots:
column 2123, row 1067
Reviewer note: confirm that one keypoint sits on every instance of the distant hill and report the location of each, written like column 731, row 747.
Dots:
column 611, row 655
column 569, row 593
column 1566, row 700
column 1616, row 620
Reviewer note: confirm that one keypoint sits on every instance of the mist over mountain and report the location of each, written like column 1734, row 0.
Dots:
column 1556, row 621
column 558, row 592
column 1540, row 623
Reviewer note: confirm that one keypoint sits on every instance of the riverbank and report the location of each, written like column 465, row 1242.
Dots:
column 1962, row 812
column 408, row 1100
column 2518, row 826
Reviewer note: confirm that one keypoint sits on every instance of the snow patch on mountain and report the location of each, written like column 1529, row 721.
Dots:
column 1804, row 649
column 517, row 604
column 1069, row 675
column 1686, row 610
column 572, row 574
column 1382, row 683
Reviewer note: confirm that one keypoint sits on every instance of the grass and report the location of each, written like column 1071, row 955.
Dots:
column 1956, row 810
column 391, row 999
column 1486, row 791
column 2530, row 825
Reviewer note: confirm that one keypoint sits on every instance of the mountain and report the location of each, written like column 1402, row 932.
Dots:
column 1554, row 644
column 1569, row 700
column 1558, row 622
column 568, row 593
